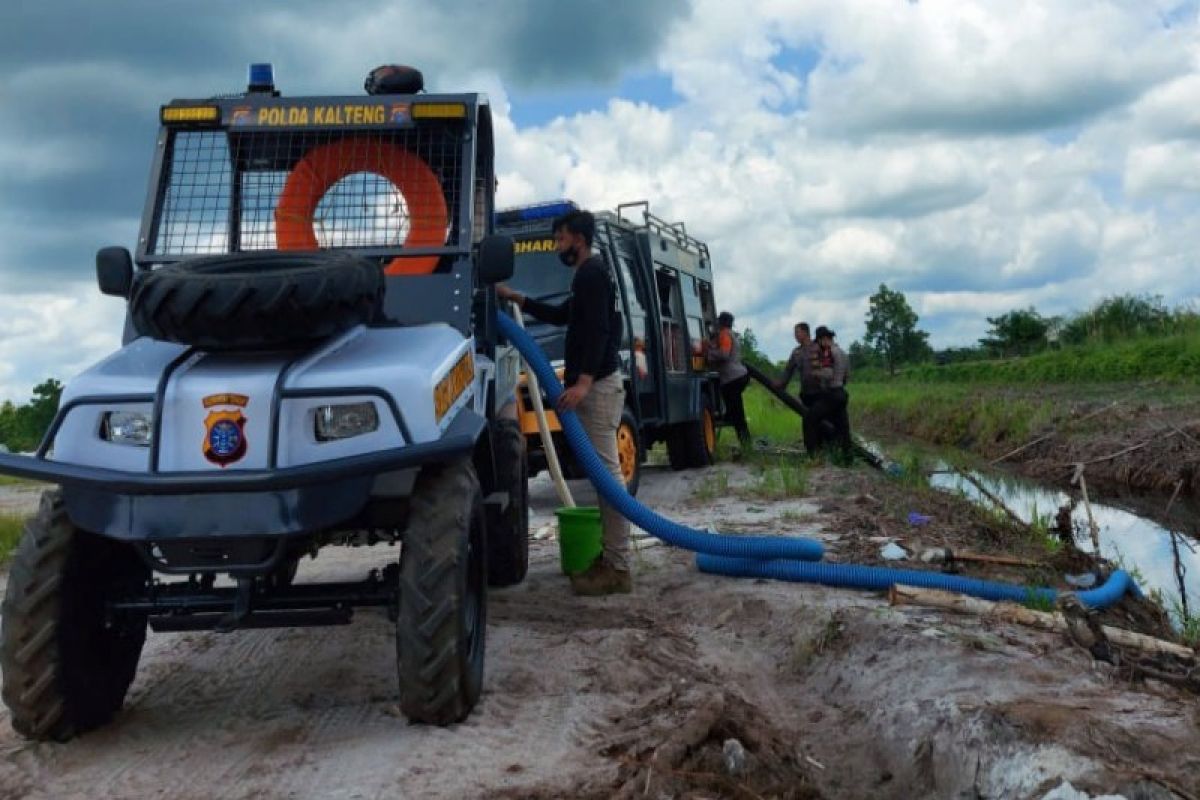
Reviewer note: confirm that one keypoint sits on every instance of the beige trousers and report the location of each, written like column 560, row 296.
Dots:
column 600, row 415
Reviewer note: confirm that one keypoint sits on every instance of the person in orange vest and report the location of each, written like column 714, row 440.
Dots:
column 641, row 364
column 724, row 354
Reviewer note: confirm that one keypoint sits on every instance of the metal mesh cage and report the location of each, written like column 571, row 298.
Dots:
column 194, row 214
column 226, row 191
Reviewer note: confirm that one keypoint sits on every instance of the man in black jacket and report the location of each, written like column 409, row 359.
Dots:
column 593, row 385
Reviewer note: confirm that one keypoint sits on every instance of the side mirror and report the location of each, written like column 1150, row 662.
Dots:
column 496, row 262
column 114, row 271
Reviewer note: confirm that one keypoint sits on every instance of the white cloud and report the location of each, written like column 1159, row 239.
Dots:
column 959, row 180
column 1172, row 110
column 852, row 249
column 988, row 67
column 54, row 335
column 978, row 156
column 1163, row 167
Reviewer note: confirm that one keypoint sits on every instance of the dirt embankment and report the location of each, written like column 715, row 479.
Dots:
column 1142, row 448
column 1125, row 439
column 695, row 686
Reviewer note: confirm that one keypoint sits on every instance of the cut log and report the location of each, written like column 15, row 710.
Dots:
column 1011, row 612
column 1008, row 561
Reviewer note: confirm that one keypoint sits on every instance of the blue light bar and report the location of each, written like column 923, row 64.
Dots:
column 262, row 76
column 550, row 210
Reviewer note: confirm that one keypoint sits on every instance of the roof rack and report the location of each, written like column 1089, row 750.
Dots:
column 675, row 231
column 537, row 211
column 524, row 219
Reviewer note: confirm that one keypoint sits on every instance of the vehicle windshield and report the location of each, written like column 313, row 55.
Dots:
column 541, row 276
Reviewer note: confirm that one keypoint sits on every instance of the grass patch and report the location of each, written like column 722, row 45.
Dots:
column 778, row 482
column 1038, row 602
column 913, row 469
column 1189, row 625
column 10, row 534
column 713, row 486
column 949, row 415
column 1041, row 527
column 770, row 419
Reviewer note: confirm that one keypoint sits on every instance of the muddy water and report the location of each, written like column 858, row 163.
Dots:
column 1161, row 548
column 1166, row 560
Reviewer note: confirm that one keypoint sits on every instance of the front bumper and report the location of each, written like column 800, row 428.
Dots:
column 176, row 505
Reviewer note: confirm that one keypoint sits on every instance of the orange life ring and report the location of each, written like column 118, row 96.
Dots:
column 327, row 164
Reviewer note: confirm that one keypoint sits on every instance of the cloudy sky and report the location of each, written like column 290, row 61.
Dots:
column 978, row 156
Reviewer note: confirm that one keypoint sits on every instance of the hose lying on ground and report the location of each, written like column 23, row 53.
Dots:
column 775, row 557
column 854, row 576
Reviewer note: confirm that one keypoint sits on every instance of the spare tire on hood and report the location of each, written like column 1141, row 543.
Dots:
column 256, row 301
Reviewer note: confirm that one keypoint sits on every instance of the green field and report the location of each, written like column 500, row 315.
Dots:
column 959, row 415
column 987, row 405
column 770, row 419
column 942, row 414
column 981, row 417
column 1169, row 359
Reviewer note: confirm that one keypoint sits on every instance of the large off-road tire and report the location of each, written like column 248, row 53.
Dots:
column 692, row 443
column 702, row 439
column 443, row 597
column 248, row 301
column 508, row 535
column 67, row 661
column 629, row 451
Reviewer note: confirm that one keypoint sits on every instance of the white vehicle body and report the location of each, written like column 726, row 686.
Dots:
column 402, row 365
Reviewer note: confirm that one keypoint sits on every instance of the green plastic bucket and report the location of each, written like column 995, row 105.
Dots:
column 579, row 537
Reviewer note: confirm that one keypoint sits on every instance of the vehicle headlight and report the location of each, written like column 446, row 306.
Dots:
column 344, row 422
column 126, row 427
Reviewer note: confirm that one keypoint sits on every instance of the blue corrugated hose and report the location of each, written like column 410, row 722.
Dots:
column 777, row 557
column 881, row 578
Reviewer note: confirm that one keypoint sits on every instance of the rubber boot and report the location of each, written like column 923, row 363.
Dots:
column 602, row 578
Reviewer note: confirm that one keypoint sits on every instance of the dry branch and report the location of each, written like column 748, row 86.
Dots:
column 1008, row 561
column 1010, row 612
column 1055, row 431
column 1093, row 528
column 1117, row 454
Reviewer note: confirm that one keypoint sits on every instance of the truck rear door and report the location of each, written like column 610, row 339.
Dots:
column 640, row 348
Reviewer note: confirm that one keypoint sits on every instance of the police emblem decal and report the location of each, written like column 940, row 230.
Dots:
column 225, row 429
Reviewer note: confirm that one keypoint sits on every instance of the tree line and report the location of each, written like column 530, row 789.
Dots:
column 22, row 427
column 894, row 339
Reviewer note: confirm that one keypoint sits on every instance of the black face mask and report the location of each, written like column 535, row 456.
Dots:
column 568, row 258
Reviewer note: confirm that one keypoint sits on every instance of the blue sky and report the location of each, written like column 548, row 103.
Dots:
column 977, row 156
column 536, row 107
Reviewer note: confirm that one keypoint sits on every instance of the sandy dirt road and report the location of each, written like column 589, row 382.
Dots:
column 830, row 693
